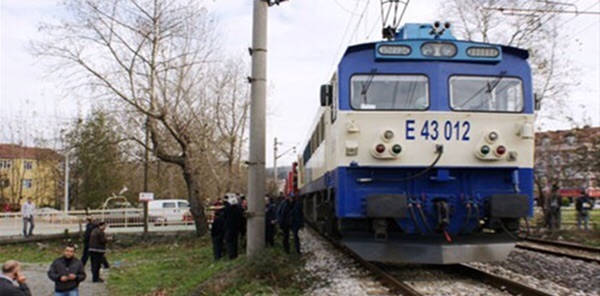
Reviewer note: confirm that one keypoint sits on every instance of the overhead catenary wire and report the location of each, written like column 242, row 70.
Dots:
column 343, row 40
column 575, row 16
column 344, row 8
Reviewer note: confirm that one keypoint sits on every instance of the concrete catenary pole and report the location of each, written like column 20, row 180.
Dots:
column 258, row 92
column 275, row 163
column 67, row 182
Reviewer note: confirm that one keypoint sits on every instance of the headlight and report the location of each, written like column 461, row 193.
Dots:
column 388, row 135
column 488, row 52
column 428, row 49
column 442, row 49
column 448, row 50
column 394, row 50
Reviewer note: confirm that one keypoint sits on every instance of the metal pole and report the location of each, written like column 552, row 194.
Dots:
column 67, row 183
column 256, row 173
column 146, row 156
column 275, row 163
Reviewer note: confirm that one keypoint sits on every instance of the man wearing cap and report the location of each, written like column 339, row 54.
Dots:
column 217, row 229
column 233, row 221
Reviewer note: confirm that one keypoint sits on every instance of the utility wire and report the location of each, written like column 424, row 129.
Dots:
column 516, row 10
column 344, row 8
column 343, row 39
column 575, row 16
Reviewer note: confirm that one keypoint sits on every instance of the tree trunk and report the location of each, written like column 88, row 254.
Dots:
column 196, row 207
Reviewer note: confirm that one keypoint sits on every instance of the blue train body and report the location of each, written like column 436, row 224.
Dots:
column 442, row 177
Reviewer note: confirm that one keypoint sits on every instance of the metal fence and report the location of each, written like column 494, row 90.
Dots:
column 118, row 220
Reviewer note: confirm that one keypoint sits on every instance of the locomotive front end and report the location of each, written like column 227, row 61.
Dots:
column 427, row 153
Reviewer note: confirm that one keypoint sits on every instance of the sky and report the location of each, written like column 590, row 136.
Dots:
column 306, row 38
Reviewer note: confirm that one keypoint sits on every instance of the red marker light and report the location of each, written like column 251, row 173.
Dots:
column 380, row 148
column 501, row 150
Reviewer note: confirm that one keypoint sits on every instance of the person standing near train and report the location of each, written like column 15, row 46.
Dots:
column 233, row 221
column 217, row 229
column 290, row 217
column 297, row 221
column 584, row 206
column 270, row 221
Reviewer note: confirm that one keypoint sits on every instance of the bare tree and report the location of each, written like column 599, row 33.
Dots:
column 152, row 58
column 231, row 105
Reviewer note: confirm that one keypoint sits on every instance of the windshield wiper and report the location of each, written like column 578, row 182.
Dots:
column 365, row 85
column 488, row 88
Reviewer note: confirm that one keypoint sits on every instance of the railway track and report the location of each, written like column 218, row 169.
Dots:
column 385, row 273
column 556, row 248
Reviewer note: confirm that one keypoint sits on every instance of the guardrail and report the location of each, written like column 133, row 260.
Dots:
column 118, row 220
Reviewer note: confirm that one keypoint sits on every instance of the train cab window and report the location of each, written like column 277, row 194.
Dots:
column 493, row 94
column 389, row 92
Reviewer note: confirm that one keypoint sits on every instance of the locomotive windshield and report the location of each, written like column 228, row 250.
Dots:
column 390, row 92
column 495, row 94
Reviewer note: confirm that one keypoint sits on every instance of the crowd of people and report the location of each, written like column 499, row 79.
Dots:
column 583, row 207
column 228, row 223
column 67, row 272
column 228, row 230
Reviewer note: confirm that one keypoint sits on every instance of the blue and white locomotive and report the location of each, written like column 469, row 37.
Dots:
column 422, row 151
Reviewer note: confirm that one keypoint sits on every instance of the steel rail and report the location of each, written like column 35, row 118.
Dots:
column 392, row 283
column 559, row 253
column 564, row 244
column 497, row 282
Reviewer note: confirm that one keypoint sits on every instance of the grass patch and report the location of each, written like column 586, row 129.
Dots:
column 42, row 252
column 175, row 268
column 569, row 231
column 270, row 273
column 180, row 266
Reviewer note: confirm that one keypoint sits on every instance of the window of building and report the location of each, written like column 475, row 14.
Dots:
column 27, row 183
column 5, row 164
column 27, row 165
column 545, row 141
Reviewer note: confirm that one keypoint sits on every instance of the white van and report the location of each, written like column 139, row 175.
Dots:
column 169, row 210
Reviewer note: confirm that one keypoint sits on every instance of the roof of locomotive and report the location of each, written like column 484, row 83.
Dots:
column 425, row 32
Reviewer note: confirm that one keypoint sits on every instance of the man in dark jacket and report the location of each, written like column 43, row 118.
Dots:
column 86, row 239
column 233, row 221
column 284, row 219
column 217, row 232
column 12, row 281
column 584, row 206
column 297, row 221
column 270, row 220
column 67, row 272
column 97, row 250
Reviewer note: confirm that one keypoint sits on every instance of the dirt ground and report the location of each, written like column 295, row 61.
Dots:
column 41, row 285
